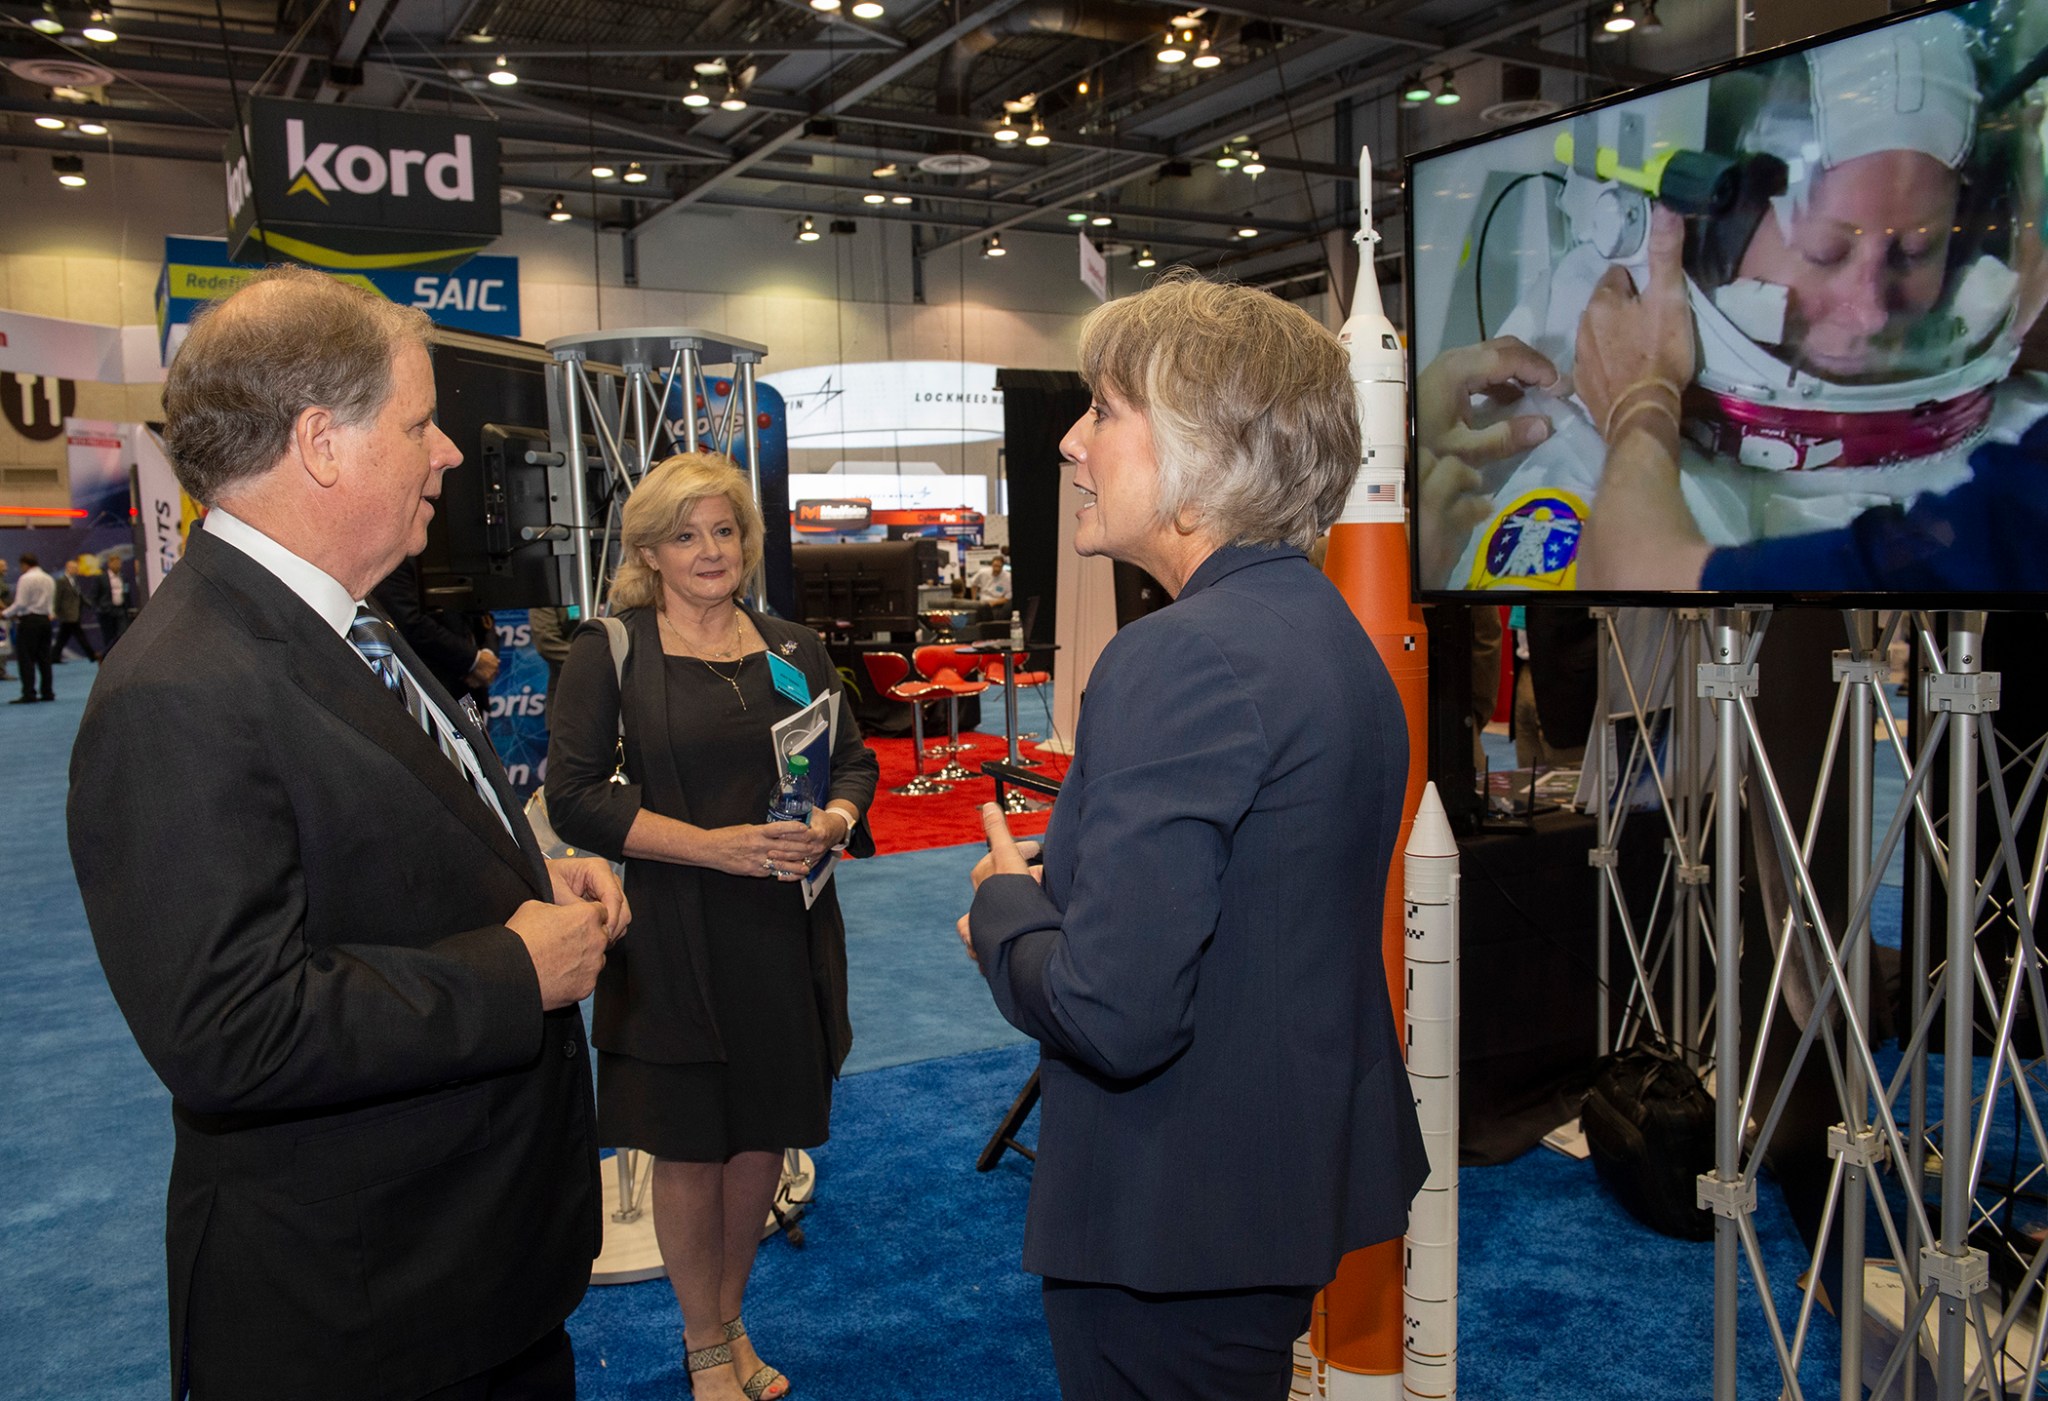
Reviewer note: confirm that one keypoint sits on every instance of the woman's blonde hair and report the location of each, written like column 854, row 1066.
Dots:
column 1254, row 420
column 663, row 501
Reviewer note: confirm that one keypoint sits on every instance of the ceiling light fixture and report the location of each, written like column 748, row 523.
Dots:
column 558, row 212
column 1081, row 88
column 807, row 231
column 1206, row 57
column 1037, row 136
column 501, row 75
column 1247, row 229
column 696, row 96
column 872, row 198
column 1447, row 96
column 1228, row 160
column 1650, row 23
column 1077, row 216
column 1415, row 92
column 868, row 9
column 1100, row 221
column 635, row 173
column 1170, row 50
column 899, row 199
column 50, row 123
column 992, row 247
column 603, row 170
column 100, row 31
column 47, row 22
column 70, row 170
column 92, row 128
column 825, row 6
column 1145, row 258
column 887, row 170
column 1007, row 132
column 732, row 101
column 1619, row 20
column 1253, row 166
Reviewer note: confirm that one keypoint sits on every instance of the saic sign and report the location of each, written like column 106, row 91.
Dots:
column 348, row 188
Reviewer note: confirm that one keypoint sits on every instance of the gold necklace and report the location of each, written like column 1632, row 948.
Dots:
column 737, row 643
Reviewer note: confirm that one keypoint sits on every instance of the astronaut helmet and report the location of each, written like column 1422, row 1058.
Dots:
column 1863, row 311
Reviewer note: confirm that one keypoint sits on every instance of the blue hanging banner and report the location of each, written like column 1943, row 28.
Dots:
column 480, row 295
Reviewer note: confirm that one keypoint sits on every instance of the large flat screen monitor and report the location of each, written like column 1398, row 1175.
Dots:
column 1840, row 309
column 863, row 587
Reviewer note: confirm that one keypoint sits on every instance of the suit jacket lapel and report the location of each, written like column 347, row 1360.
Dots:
column 331, row 672
column 423, row 755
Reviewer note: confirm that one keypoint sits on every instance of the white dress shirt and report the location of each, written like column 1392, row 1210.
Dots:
column 34, row 592
column 326, row 596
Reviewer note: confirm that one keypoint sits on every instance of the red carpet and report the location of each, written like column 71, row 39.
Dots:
column 949, row 818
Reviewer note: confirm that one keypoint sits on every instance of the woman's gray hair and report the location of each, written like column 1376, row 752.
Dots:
column 662, row 502
column 288, row 340
column 1254, row 420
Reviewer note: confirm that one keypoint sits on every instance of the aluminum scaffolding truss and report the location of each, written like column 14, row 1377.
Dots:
column 1973, row 1339
column 1663, row 947
column 615, row 392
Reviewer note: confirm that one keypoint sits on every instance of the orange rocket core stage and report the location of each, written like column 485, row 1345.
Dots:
column 1358, row 1317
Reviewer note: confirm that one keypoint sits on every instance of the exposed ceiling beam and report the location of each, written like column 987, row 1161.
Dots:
column 362, row 27
column 1331, row 20
column 888, row 73
column 709, row 48
column 1625, row 75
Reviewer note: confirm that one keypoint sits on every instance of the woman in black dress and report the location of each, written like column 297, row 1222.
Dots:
column 720, row 1027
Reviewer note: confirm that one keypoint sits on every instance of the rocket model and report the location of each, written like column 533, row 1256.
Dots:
column 1356, row 1339
column 1430, row 1254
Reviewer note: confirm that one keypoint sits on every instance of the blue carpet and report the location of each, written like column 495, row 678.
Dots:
column 909, row 1283
column 912, row 992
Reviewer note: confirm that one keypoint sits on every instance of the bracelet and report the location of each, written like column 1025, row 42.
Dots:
column 1618, row 420
column 1615, row 415
column 847, row 835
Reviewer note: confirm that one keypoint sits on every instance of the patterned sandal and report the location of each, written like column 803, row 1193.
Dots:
column 757, row 1386
column 705, row 1358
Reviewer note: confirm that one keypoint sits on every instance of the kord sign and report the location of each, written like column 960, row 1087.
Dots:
column 347, row 188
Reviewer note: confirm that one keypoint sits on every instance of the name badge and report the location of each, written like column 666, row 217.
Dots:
column 789, row 680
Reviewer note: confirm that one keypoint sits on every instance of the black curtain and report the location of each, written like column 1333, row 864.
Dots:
column 1039, row 406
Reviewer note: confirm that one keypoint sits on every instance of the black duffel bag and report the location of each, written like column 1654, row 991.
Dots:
column 1649, row 1124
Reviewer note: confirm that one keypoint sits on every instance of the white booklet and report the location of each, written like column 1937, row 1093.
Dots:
column 810, row 732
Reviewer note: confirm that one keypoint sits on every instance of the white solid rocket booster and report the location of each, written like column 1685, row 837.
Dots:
column 1429, row 1279
column 1379, row 373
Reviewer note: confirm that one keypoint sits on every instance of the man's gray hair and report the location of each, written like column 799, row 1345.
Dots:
column 1254, row 419
column 289, row 340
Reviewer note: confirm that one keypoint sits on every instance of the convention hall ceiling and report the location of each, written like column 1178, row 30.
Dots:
column 895, row 117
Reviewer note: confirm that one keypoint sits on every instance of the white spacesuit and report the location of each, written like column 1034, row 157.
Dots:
column 1855, row 328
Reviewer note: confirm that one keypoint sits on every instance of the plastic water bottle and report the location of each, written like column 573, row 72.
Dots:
column 1016, row 631
column 792, row 800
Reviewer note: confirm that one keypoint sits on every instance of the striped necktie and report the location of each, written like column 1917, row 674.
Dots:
column 372, row 637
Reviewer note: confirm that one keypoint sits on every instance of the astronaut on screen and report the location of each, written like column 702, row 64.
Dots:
column 1862, row 254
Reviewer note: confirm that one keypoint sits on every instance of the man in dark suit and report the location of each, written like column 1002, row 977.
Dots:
column 321, row 911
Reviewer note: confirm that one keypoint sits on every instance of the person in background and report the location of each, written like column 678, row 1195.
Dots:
column 445, row 640
column 321, row 911
column 70, row 609
column 719, row 1034
column 35, row 601
column 1226, row 1111
column 93, row 594
column 991, row 583
column 6, row 637
column 549, row 628
column 113, row 612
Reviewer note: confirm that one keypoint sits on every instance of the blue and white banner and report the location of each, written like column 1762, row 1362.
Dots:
column 519, row 703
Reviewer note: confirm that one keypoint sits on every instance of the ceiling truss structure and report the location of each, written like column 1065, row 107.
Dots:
column 839, row 112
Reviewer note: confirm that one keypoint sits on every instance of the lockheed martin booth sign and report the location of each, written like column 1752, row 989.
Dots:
column 346, row 187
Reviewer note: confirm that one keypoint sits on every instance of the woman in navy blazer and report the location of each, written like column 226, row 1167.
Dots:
column 1225, row 1109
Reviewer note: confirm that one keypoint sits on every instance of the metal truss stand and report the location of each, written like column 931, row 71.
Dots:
column 1950, row 1311
column 610, row 400
column 1663, row 996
